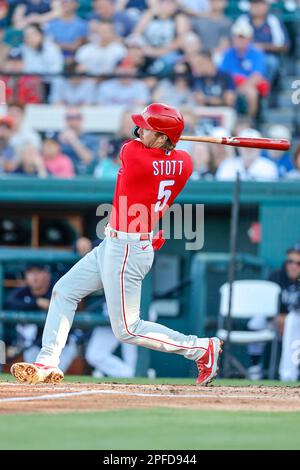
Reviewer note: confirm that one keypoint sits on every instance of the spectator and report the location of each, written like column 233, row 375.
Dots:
column 124, row 90
column 213, row 27
column 21, row 133
column 8, row 158
column 295, row 174
column 247, row 65
column 218, row 153
column 210, row 86
column 40, row 54
column 24, row 89
column 250, row 164
column 102, row 55
column 109, row 163
column 287, row 321
column 56, row 163
column 135, row 7
column 35, row 296
column 68, row 30
column 35, row 11
column 30, row 162
column 105, row 10
column 81, row 147
column 190, row 45
column 175, row 91
column 269, row 35
column 162, row 27
column 282, row 159
column 72, row 90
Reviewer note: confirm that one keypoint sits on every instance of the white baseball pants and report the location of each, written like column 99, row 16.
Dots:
column 290, row 354
column 119, row 266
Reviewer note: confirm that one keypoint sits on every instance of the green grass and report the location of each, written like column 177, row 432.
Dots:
column 151, row 430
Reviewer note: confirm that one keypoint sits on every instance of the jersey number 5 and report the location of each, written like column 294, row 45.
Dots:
column 163, row 194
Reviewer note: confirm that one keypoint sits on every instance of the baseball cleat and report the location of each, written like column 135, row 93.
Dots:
column 208, row 363
column 35, row 373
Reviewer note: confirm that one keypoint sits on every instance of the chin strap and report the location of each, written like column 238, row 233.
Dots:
column 135, row 131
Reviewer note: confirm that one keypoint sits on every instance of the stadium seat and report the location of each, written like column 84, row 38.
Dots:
column 251, row 299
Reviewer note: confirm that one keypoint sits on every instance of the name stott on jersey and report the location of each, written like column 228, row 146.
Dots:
column 148, row 182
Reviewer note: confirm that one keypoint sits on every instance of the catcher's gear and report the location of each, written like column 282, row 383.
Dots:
column 159, row 117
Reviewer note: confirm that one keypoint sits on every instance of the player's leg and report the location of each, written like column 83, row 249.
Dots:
column 289, row 361
column 124, row 267
column 81, row 280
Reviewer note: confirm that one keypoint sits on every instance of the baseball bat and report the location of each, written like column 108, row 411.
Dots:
column 263, row 143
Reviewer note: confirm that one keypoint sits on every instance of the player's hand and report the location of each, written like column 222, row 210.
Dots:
column 42, row 303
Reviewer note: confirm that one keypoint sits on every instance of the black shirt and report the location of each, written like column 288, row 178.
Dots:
column 290, row 290
column 22, row 299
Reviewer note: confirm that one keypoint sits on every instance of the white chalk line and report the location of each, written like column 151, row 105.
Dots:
column 136, row 394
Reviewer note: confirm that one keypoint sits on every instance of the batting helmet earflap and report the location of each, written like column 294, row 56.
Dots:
column 162, row 118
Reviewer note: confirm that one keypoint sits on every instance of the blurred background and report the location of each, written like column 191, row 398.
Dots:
column 73, row 72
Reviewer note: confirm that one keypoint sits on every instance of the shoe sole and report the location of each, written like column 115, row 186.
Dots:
column 28, row 373
column 215, row 367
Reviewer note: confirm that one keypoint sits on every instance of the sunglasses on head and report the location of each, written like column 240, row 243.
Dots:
column 293, row 261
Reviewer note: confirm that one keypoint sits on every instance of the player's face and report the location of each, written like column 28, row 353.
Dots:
column 150, row 138
column 293, row 265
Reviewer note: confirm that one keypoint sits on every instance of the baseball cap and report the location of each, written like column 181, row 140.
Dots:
column 242, row 28
column 278, row 131
column 294, row 248
column 37, row 265
column 250, row 133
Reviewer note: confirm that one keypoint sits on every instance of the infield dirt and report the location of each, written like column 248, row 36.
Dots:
column 68, row 397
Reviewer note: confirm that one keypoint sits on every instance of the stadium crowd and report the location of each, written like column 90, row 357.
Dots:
column 132, row 52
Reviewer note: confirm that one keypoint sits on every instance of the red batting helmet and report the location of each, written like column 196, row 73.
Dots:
column 162, row 118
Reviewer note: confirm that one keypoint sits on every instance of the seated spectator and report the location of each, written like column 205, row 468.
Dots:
column 269, row 35
column 175, row 92
column 295, row 174
column 282, row 159
column 40, row 54
column 81, row 147
column 35, row 296
column 72, row 89
column 109, row 163
column 8, row 158
column 210, row 86
column 106, row 10
column 247, row 65
column 31, row 162
column 21, row 133
column 162, row 27
column 190, row 45
column 68, row 30
column 57, row 163
column 213, row 27
column 124, row 90
column 101, row 55
column 218, row 153
column 287, row 321
column 250, row 164
column 35, row 11
column 23, row 89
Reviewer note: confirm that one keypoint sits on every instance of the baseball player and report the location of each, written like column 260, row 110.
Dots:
column 152, row 174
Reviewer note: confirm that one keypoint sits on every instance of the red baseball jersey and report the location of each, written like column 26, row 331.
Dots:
column 148, row 182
